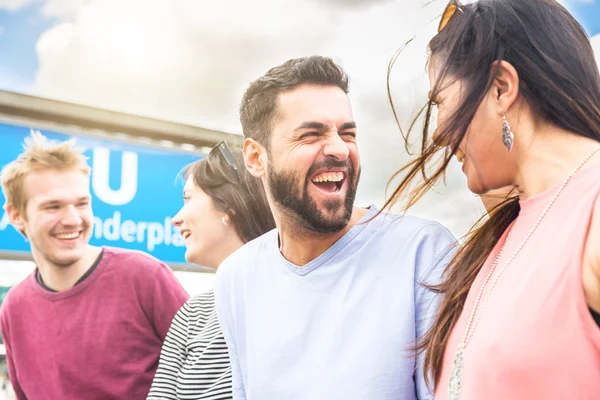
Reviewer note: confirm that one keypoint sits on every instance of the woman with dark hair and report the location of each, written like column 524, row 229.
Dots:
column 517, row 91
column 224, row 207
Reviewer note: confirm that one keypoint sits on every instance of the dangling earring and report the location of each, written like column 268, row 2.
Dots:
column 225, row 220
column 507, row 136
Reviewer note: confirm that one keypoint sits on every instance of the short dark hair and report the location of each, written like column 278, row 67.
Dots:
column 235, row 192
column 260, row 99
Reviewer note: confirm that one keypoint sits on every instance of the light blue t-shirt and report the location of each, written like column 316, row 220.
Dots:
column 340, row 327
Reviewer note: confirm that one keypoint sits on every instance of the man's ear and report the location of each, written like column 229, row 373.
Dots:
column 255, row 157
column 16, row 218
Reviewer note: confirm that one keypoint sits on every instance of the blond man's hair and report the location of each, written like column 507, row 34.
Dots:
column 39, row 153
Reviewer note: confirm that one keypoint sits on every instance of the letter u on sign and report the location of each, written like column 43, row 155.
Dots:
column 101, row 174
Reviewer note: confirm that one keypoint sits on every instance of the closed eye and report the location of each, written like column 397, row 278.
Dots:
column 308, row 135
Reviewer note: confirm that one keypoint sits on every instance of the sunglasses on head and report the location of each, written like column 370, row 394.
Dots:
column 447, row 15
column 223, row 149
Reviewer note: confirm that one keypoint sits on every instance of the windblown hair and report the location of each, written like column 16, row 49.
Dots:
column 559, row 80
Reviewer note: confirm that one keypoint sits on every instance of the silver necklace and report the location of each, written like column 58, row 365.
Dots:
column 455, row 383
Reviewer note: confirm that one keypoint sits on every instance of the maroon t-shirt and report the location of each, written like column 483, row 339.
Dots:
column 100, row 339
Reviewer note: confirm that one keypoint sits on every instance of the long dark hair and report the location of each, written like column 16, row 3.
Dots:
column 559, row 80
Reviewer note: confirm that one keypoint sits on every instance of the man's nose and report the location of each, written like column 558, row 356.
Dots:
column 336, row 147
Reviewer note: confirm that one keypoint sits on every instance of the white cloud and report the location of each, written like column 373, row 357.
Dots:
column 568, row 4
column 14, row 5
column 183, row 60
column 595, row 41
column 190, row 61
column 63, row 9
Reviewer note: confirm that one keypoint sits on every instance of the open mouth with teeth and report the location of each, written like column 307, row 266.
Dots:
column 460, row 155
column 330, row 182
column 186, row 234
column 68, row 236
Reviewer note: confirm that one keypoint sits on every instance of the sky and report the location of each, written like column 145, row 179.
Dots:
column 190, row 60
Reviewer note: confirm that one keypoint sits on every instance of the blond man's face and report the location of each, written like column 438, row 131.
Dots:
column 58, row 218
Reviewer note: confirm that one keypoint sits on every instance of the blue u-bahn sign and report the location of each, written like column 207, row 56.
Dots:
column 135, row 192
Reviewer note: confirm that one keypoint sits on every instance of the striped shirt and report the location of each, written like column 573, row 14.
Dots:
column 194, row 363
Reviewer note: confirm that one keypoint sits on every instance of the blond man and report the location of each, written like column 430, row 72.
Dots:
column 89, row 322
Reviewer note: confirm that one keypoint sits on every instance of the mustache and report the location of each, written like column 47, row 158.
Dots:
column 331, row 163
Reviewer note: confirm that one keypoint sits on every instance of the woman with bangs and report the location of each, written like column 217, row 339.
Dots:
column 517, row 90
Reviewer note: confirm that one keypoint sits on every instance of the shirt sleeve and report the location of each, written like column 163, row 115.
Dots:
column 224, row 306
column 12, row 373
column 172, row 357
column 167, row 298
column 437, row 248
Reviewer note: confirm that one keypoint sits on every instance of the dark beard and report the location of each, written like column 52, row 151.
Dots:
column 285, row 190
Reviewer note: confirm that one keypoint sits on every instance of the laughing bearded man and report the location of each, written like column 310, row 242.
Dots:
column 330, row 304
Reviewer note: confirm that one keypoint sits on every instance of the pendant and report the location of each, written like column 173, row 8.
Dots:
column 456, row 376
column 507, row 136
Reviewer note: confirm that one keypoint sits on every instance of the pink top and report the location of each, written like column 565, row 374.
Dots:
column 536, row 338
